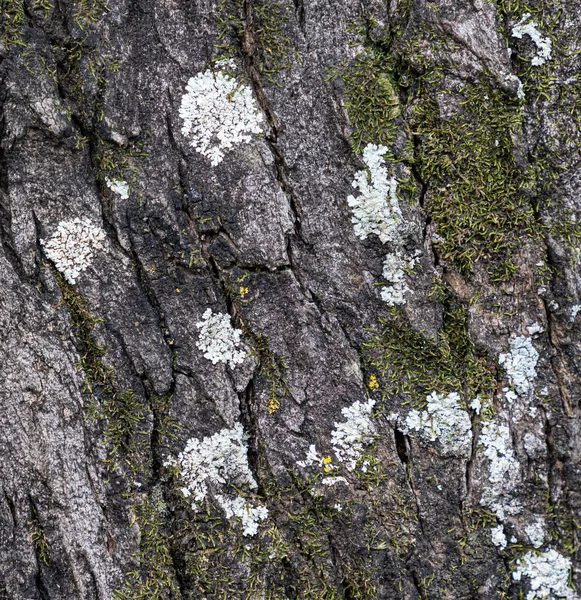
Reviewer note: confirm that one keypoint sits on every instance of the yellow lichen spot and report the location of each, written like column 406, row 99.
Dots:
column 327, row 460
column 178, row 290
column 243, row 291
column 273, row 405
column 373, row 383
column 327, row 469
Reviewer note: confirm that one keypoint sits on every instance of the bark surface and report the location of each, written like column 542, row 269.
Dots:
column 103, row 381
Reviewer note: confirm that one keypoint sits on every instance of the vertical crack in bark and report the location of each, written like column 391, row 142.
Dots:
column 409, row 467
column 40, row 586
column 300, row 11
column 556, row 361
column 11, row 508
column 401, row 446
column 251, row 60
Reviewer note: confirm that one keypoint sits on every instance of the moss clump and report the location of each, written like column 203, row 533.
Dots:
column 41, row 545
column 155, row 576
column 411, row 366
column 88, row 12
column 553, row 91
column 371, row 99
column 12, row 19
column 257, row 28
column 273, row 369
column 475, row 188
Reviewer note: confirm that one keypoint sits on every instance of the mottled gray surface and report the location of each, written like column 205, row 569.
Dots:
column 274, row 210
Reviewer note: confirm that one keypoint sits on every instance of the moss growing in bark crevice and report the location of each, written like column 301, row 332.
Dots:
column 256, row 26
column 409, row 365
column 121, row 410
column 132, row 448
column 154, row 576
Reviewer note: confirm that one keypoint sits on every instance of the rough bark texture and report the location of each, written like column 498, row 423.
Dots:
column 103, row 382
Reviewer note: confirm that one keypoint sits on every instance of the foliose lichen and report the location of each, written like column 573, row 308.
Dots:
column 351, row 436
column 218, row 113
column 219, row 341
column 220, row 462
column 520, row 364
column 548, row 574
column 543, row 44
column 376, row 210
column 444, row 419
column 72, row 247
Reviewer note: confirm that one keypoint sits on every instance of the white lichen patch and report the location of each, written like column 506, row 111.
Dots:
column 394, row 269
column 476, row 404
column 220, row 459
column 498, row 449
column 520, row 364
column 72, row 247
column 218, row 340
column 543, row 44
column 444, row 419
column 250, row 515
column 536, row 532
column 218, row 113
column 350, row 437
column 503, row 469
column 548, row 574
column 220, row 462
column 330, row 481
column 498, row 538
column 376, row 210
column 118, row 186
column 574, row 312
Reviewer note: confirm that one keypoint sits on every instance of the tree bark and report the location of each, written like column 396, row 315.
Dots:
column 104, row 378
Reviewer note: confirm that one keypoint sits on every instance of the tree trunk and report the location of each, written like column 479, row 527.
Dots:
column 289, row 296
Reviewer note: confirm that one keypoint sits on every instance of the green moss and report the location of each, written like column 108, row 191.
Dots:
column 410, row 365
column 371, row 99
column 41, row 545
column 123, row 413
column 154, row 577
column 272, row 368
column 88, row 12
column 117, row 163
column 12, row 20
column 257, row 28
column 557, row 103
column 475, row 188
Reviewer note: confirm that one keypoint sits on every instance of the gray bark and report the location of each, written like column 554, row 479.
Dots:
column 103, row 382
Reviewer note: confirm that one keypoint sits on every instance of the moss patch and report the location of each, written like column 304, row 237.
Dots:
column 410, row 366
column 258, row 26
column 11, row 23
column 155, row 576
column 122, row 412
column 475, row 188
